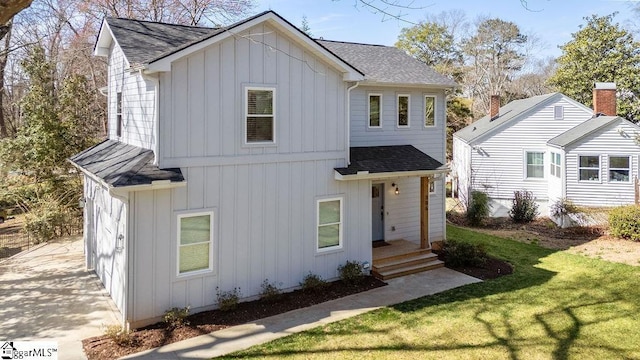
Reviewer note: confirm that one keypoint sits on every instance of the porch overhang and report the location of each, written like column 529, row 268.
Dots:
column 386, row 162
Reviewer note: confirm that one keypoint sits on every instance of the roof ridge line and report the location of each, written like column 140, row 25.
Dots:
column 352, row 42
column 163, row 23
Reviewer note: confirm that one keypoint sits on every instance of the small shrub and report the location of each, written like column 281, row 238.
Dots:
column 270, row 291
column 478, row 208
column 119, row 335
column 524, row 208
column 460, row 254
column 312, row 282
column 563, row 207
column 624, row 222
column 351, row 272
column 176, row 317
column 228, row 300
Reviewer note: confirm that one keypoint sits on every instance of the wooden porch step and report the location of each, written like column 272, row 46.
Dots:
column 409, row 263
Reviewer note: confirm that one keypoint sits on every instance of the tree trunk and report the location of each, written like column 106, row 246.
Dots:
column 4, row 54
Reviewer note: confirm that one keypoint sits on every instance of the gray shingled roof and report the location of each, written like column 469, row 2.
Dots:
column 142, row 41
column 578, row 132
column 119, row 164
column 386, row 64
column 395, row 158
column 514, row 110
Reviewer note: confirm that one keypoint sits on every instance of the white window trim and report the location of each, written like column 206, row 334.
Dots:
column 435, row 111
column 609, row 168
column 561, row 112
column 590, row 168
column 340, row 232
column 553, row 165
column 246, row 115
column 408, row 96
column 181, row 215
column 369, row 111
column 525, row 173
column 119, row 114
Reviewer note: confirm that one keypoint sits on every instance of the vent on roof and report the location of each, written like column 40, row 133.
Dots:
column 558, row 112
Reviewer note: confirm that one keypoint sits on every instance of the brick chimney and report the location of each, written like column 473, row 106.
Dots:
column 494, row 107
column 604, row 98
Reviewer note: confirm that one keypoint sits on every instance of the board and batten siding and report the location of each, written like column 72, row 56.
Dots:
column 202, row 111
column 616, row 139
column 498, row 165
column 106, row 219
column 264, row 228
column 138, row 98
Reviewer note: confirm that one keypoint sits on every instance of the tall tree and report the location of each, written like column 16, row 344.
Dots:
column 494, row 56
column 601, row 51
column 432, row 44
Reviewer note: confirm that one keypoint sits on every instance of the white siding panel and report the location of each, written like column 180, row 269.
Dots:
column 607, row 141
column 461, row 168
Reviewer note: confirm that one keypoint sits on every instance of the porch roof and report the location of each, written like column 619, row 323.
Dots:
column 389, row 161
column 121, row 165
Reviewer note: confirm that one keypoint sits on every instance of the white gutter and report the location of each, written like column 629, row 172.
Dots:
column 349, row 121
column 156, row 114
column 365, row 175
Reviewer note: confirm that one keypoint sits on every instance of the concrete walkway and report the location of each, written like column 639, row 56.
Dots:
column 247, row 335
column 46, row 294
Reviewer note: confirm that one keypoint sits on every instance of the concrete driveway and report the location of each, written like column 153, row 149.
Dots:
column 47, row 294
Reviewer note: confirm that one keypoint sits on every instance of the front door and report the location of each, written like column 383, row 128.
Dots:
column 377, row 211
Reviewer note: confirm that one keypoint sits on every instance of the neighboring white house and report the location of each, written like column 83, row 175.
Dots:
column 254, row 152
column 552, row 146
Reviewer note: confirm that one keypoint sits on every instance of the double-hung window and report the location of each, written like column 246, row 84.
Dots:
column 589, row 168
column 619, row 168
column 195, row 242
column 555, row 165
column 119, row 114
column 429, row 110
column 403, row 110
column 535, row 165
column 260, row 114
column 329, row 224
column 375, row 110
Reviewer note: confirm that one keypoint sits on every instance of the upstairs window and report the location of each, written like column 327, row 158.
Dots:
column 195, row 238
column 535, row 165
column 558, row 112
column 555, row 165
column 119, row 114
column 329, row 224
column 403, row 110
column 429, row 110
column 619, row 168
column 589, row 168
column 375, row 106
column 260, row 114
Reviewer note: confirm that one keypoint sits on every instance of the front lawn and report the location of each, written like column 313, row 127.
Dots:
column 556, row 305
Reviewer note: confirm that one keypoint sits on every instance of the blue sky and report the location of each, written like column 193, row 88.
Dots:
column 552, row 21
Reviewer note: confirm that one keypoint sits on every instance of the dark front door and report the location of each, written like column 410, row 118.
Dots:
column 377, row 212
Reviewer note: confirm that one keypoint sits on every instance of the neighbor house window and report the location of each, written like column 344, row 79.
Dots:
column 329, row 224
column 558, row 112
column 589, row 168
column 429, row 110
column 260, row 112
column 195, row 238
column 403, row 110
column 535, row 165
column 119, row 114
column 619, row 168
column 555, row 164
column 375, row 106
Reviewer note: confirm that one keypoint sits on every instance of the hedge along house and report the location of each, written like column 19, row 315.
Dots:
column 254, row 152
column 552, row 146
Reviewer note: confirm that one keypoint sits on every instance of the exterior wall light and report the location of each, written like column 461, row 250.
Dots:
column 397, row 191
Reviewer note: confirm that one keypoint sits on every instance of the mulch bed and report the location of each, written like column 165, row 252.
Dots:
column 491, row 269
column 103, row 348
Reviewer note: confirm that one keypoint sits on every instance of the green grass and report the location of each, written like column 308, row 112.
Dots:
column 555, row 306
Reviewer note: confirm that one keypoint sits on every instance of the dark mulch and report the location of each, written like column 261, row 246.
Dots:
column 103, row 348
column 491, row 269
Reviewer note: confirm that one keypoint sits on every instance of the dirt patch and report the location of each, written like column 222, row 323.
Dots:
column 103, row 348
column 591, row 241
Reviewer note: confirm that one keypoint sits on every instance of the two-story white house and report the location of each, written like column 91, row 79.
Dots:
column 552, row 146
column 255, row 152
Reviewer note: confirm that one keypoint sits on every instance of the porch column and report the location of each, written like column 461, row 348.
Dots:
column 424, row 212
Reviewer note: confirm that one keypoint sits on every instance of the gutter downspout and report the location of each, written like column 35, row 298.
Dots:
column 349, row 121
column 156, row 113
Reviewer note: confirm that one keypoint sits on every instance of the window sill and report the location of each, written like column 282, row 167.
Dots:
column 195, row 274
column 259, row 144
column 329, row 251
